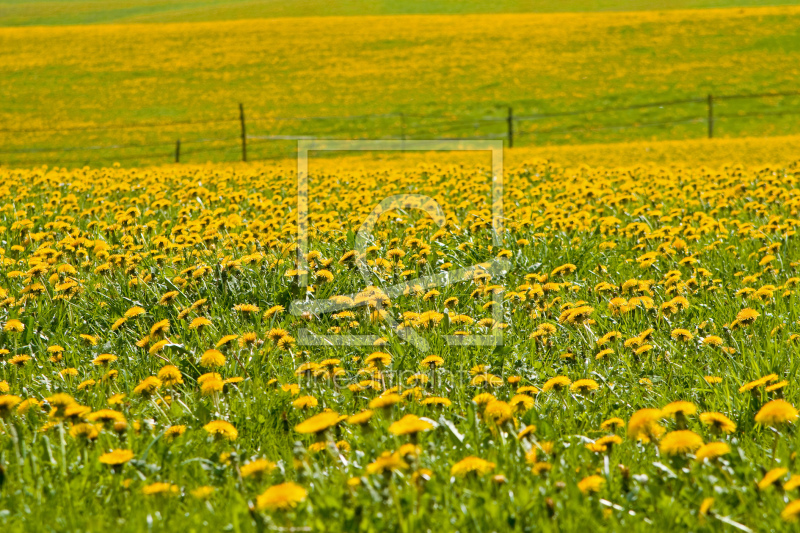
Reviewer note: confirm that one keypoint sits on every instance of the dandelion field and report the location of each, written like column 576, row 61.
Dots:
column 610, row 347
column 67, row 12
column 153, row 375
column 84, row 94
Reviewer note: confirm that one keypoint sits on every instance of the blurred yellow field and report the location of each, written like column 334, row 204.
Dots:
column 715, row 153
column 445, row 74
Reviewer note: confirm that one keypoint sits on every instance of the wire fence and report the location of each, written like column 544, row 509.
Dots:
column 531, row 129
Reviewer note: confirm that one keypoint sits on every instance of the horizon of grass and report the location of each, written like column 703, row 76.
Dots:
column 80, row 12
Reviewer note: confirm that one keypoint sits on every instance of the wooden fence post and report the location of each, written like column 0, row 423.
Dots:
column 178, row 151
column 510, row 128
column 244, row 133
column 710, row 116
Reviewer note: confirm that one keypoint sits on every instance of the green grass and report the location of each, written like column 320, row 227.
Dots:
column 50, row 12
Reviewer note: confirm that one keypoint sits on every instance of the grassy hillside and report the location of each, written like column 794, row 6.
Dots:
column 449, row 76
column 24, row 13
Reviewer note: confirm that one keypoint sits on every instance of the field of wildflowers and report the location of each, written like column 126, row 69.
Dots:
column 693, row 153
column 68, row 12
column 93, row 86
column 611, row 347
column 153, row 375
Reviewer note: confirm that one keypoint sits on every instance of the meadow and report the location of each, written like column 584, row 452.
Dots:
column 610, row 347
column 154, row 376
column 66, row 12
column 140, row 87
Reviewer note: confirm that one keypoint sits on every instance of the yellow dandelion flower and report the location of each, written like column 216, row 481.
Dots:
column 680, row 442
column 90, row 340
column 211, row 386
column 777, row 386
column 583, row 386
column 203, row 493
column 221, row 429
column 683, row 335
column 273, row 311
column 498, row 412
column 14, row 326
column 134, row 312
column 484, row 399
column 711, row 451
column 760, row 382
column 776, row 412
column 379, row 359
column 591, row 484
column 7, row 404
column 793, row 483
column 772, row 477
column 528, row 431
column 170, row 375
column 612, row 424
column 160, row 489
column 432, row 361
column 557, row 383
column 713, row 340
column 747, row 316
column 409, row 424
column 212, row 359
column 19, row 360
column 157, row 347
column 106, row 416
column 718, row 422
column 436, row 401
column 281, row 497
column 257, row 468
column 644, row 424
column 521, row 403
column 679, row 408
column 385, row 401
column 791, row 512
column 361, row 418
column 159, row 328
column 471, row 465
column 318, row 423
column 226, row 340
column 541, row 468
column 147, row 386
column 199, row 323
column 104, row 359
column 305, row 402
column 247, row 339
column 116, row 457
